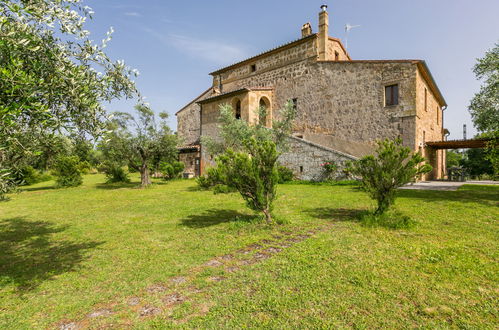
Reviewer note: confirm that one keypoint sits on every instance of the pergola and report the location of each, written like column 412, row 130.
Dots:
column 459, row 144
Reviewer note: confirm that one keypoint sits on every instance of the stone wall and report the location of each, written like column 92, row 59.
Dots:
column 304, row 49
column 344, row 99
column 304, row 158
column 188, row 121
column 429, row 127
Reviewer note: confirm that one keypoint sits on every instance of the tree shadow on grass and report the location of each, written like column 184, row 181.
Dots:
column 117, row 185
column 214, row 217
column 336, row 214
column 29, row 255
column 27, row 188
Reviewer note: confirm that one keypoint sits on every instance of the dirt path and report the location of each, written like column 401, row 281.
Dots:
column 175, row 291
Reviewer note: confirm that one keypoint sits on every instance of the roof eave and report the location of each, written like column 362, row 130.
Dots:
column 274, row 50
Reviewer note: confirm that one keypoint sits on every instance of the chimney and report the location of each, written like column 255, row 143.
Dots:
column 306, row 30
column 323, row 32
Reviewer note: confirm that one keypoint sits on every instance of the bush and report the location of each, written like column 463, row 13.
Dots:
column 392, row 220
column 114, row 172
column 212, row 178
column 27, row 175
column 330, row 169
column 68, row 172
column 172, row 170
column 391, row 168
column 285, row 174
column 85, row 167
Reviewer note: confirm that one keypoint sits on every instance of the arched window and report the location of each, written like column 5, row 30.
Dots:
column 263, row 105
column 265, row 119
column 238, row 109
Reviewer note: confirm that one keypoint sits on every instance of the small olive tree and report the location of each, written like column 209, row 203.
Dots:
column 253, row 174
column 392, row 167
column 248, row 156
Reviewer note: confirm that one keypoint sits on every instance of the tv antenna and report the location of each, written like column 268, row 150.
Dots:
column 348, row 27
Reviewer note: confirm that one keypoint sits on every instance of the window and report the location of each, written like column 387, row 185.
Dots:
column 425, row 99
column 438, row 116
column 253, row 67
column 391, row 95
column 238, row 109
column 336, row 56
column 301, row 169
column 295, row 104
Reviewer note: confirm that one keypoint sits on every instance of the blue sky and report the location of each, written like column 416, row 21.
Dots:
column 175, row 44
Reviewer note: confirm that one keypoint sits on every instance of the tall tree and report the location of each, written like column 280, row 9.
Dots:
column 139, row 142
column 484, row 106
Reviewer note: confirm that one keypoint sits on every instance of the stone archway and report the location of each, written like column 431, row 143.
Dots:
column 267, row 119
column 236, row 106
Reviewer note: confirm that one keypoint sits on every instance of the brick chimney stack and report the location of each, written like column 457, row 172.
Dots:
column 323, row 32
column 306, row 30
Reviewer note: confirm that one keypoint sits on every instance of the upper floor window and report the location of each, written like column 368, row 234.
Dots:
column 238, row 109
column 253, row 67
column 438, row 116
column 391, row 95
column 336, row 56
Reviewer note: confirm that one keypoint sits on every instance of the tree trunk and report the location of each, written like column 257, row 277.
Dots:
column 268, row 216
column 145, row 180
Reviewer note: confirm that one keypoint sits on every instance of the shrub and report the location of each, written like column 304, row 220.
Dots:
column 27, row 175
column 392, row 167
column 85, row 167
column 114, row 172
column 285, row 174
column 330, row 169
column 212, row 178
column 171, row 170
column 68, row 172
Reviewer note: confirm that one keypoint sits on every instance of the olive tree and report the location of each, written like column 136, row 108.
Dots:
column 248, row 155
column 53, row 76
column 138, row 141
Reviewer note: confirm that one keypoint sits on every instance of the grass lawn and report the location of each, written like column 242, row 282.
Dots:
column 171, row 255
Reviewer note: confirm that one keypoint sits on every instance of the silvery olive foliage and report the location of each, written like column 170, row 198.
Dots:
column 52, row 75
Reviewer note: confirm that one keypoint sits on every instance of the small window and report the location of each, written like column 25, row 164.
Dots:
column 391, row 95
column 336, row 56
column 295, row 104
column 301, row 169
column 438, row 116
column 253, row 67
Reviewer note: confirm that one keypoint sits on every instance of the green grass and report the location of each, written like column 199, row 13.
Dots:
column 65, row 253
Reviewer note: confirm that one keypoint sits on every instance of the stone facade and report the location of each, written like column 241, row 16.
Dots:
column 340, row 102
column 305, row 159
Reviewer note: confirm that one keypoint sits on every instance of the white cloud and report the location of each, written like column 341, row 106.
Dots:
column 133, row 14
column 214, row 51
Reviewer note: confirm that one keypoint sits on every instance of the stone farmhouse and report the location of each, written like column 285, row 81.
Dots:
column 343, row 105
